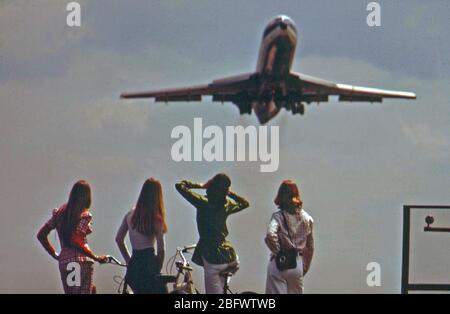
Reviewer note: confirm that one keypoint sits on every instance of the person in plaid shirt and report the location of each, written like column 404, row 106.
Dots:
column 291, row 228
column 72, row 222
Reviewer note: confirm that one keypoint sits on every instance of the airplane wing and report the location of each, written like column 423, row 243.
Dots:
column 225, row 89
column 317, row 90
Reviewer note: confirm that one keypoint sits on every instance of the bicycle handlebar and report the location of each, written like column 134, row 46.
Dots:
column 188, row 248
column 115, row 261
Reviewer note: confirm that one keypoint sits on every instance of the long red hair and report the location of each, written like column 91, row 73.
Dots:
column 79, row 201
column 288, row 195
column 150, row 214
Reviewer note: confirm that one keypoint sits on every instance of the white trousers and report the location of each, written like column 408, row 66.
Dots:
column 289, row 281
column 213, row 281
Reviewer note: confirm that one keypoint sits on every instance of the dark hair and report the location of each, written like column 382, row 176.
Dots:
column 288, row 195
column 150, row 213
column 79, row 201
column 217, row 187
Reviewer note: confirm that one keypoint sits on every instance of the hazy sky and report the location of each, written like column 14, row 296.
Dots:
column 356, row 164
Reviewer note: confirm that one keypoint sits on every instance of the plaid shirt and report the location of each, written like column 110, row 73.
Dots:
column 300, row 226
column 69, row 254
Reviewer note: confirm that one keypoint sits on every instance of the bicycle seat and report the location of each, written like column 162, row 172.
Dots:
column 165, row 279
column 230, row 270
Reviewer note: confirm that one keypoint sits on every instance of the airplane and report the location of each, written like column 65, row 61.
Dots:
column 273, row 85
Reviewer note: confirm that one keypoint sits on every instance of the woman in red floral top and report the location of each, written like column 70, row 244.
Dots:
column 72, row 222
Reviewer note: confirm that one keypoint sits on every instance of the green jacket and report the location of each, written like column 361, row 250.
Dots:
column 211, row 224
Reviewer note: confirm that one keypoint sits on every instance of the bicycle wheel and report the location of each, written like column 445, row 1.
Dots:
column 248, row 292
column 178, row 292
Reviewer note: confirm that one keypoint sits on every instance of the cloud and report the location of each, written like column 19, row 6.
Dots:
column 426, row 138
column 356, row 163
column 111, row 113
column 32, row 30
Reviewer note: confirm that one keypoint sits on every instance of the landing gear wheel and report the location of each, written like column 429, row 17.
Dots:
column 301, row 109
column 290, row 106
column 298, row 108
column 245, row 109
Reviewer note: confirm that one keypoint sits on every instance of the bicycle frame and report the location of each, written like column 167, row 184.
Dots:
column 183, row 282
column 184, row 272
column 122, row 284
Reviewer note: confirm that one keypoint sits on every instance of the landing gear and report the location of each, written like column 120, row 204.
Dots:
column 245, row 108
column 298, row 108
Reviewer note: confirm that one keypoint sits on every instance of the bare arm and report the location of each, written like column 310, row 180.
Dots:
column 78, row 243
column 120, row 240
column 42, row 237
column 161, row 249
column 78, row 238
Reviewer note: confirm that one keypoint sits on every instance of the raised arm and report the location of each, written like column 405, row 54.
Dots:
column 185, row 189
column 120, row 239
column 271, row 239
column 239, row 203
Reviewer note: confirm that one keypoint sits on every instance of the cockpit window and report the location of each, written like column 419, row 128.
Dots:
column 276, row 23
column 270, row 28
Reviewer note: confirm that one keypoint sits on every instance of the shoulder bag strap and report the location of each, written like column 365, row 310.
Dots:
column 287, row 226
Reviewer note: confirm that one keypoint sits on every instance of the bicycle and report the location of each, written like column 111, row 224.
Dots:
column 183, row 282
column 123, row 286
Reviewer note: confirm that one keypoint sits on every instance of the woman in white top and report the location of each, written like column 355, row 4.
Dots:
column 146, row 225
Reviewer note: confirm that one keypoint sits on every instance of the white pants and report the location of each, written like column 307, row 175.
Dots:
column 213, row 281
column 289, row 281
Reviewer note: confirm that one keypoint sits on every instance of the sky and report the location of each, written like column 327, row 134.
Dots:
column 356, row 164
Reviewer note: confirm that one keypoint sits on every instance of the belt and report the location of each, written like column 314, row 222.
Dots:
column 144, row 252
column 299, row 253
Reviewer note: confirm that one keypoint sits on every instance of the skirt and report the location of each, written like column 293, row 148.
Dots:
column 143, row 271
column 77, row 277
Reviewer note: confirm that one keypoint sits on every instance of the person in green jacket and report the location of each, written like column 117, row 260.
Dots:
column 213, row 251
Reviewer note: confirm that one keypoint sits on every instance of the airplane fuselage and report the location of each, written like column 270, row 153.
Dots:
column 273, row 86
column 276, row 56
